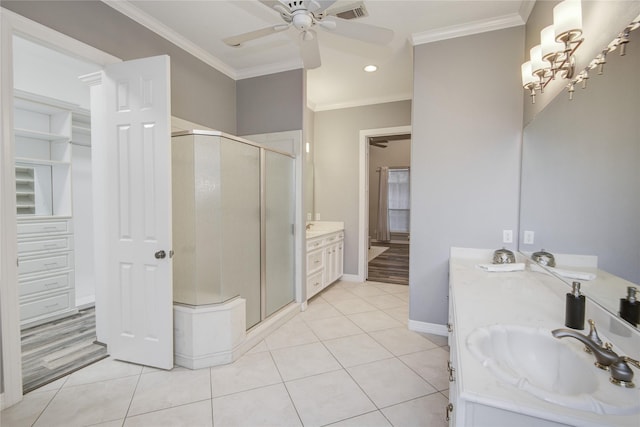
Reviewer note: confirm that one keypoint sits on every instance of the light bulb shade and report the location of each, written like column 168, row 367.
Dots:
column 567, row 20
column 527, row 75
column 537, row 63
column 550, row 47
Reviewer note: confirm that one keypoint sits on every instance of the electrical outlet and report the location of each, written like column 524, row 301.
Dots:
column 528, row 237
column 317, row 216
column 507, row 236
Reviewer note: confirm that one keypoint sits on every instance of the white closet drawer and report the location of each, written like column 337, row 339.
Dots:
column 314, row 261
column 51, row 283
column 43, row 264
column 28, row 228
column 45, row 244
column 314, row 284
column 41, row 307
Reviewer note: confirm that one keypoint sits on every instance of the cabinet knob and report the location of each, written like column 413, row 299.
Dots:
column 449, row 411
column 160, row 254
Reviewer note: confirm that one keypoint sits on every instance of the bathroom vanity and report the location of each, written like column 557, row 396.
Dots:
column 505, row 366
column 325, row 254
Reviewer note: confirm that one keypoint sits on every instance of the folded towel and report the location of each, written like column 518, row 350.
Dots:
column 573, row 274
column 518, row 266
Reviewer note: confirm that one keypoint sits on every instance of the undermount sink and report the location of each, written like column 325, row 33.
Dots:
column 554, row 370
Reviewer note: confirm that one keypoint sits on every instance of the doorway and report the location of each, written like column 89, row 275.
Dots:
column 389, row 208
column 54, row 212
column 377, row 136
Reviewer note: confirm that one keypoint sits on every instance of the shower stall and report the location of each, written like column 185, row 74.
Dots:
column 233, row 226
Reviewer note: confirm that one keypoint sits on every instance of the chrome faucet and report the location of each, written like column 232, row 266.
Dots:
column 606, row 358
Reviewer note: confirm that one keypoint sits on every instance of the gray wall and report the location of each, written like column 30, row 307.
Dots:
column 581, row 170
column 465, row 156
column 336, row 154
column 271, row 103
column 199, row 93
column 397, row 153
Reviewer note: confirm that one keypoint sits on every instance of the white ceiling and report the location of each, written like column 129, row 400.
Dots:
column 200, row 26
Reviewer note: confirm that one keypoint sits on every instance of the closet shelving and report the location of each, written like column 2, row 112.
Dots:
column 43, row 136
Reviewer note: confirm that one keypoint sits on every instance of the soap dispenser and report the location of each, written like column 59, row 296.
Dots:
column 630, row 307
column 574, row 313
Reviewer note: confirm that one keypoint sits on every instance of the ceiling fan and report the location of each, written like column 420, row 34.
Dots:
column 308, row 15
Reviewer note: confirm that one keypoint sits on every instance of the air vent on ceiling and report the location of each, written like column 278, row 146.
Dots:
column 350, row 11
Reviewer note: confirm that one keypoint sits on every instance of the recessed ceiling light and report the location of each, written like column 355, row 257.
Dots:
column 370, row 68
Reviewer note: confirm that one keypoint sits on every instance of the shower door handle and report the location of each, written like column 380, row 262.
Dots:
column 160, row 254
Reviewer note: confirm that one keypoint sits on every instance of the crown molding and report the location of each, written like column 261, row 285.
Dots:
column 467, row 29
column 142, row 18
column 263, row 70
column 359, row 102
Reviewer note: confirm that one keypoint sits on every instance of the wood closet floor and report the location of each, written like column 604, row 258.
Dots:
column 392, row 266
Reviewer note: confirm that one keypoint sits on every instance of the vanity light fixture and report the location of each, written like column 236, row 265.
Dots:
column 601, row 59
column 370, row 68
column 555, row 53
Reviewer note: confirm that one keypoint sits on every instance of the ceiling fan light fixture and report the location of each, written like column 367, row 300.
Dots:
column 370, row 68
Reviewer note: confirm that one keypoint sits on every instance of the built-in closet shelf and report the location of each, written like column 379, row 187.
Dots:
column 44, row 136
column 34, row 161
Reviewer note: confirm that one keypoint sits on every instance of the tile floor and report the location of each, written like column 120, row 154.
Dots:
column 348, row 360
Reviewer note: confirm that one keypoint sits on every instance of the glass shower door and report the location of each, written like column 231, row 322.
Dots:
column 279, row 227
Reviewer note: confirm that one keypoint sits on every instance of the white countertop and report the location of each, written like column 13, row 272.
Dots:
column 525, row 298
column 320, row 228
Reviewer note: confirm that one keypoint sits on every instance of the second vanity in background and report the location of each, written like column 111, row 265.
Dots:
column 325, row 254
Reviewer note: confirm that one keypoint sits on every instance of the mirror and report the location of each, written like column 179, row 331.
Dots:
column 580, row 184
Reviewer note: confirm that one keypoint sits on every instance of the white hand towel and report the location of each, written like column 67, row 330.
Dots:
column 573, row 274
column 518, row 266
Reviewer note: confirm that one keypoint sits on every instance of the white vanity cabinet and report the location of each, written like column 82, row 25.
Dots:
column 45, row 269
column 325, row 260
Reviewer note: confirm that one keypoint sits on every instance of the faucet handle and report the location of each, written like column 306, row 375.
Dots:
column 634, row 362
column 593, row 336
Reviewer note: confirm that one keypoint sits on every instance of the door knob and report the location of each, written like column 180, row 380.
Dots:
column 160, row 254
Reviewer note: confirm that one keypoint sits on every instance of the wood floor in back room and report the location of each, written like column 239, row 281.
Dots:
column 392, row 266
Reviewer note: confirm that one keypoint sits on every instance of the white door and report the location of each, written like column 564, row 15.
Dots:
column 140, row 295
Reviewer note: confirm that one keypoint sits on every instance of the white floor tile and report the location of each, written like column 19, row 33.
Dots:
column 392, row 288
column 334, row 327
column 54, row 385
column 105, row 369
column 332, row 294
column 319, row 310
column 294, row 332
column 327, row 398
column 428, row 411
column 353, row 305
column 400, row 341
column 304, row 360
column 166, row 389
column 248, row 372
column 265, row 406
column 258, row 348
column 388, row 382
column 386, row 301
column 401, row 314
column 430, row 365
column 372, row 419
column 89, row 403
column 27, row 411
column 357, row 350
column 374, row 321
column 191, row 415
column 368, row 291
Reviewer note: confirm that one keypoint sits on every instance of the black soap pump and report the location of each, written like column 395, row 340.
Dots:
column 630, row 307
column 574, row 313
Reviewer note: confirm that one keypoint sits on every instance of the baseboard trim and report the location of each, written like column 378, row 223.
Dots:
column 428, row 328
column 351, row 278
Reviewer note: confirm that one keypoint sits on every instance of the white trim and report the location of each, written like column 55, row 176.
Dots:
column 467, row 29
column 428, row 328
column 360, row 102
column 263, row 70
column 351, row 278
column 12, row 23
column 363, row 240
column 144, row 19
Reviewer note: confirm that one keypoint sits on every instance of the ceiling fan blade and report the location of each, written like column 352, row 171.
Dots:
column 279, row 7
column 236, row 41
column 364, row 32
column 310, row 51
